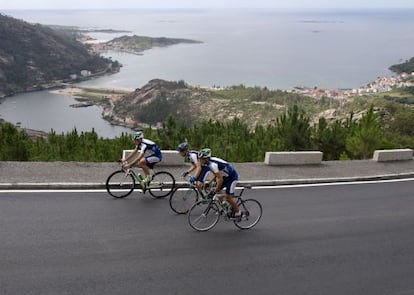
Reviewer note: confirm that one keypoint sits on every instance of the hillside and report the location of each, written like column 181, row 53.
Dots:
column 405, row 67
column 153, row 103
column 33, row 56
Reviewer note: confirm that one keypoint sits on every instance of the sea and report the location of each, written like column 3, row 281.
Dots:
column 277, row 49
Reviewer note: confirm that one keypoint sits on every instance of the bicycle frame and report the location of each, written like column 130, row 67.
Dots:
column 135, row 175
column 222, row 209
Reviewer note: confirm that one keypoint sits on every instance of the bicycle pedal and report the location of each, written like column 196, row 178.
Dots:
column 238, row 218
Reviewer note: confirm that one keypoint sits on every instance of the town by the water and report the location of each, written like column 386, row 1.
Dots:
column 379, row 85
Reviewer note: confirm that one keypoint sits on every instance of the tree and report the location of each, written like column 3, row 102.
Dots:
column 366, row 137
column 13, row 144
column 330, row 139
column 293, row 130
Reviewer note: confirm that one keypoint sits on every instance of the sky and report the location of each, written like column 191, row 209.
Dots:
column 278, row 4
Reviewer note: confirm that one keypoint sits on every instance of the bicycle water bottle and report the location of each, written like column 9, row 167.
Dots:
column 140, row 178
column 226, row 206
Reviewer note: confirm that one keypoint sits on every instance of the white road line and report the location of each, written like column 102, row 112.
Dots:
column 254, row 187
column 334, row 183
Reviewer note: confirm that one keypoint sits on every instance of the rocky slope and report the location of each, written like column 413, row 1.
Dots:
column 153, row 103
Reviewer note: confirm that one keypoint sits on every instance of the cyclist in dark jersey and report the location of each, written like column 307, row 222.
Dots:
column 226, row 176
column 149, row 154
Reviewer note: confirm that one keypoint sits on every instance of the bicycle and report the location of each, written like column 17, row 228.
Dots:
column 205, row 214
column 183, row 197
column 121, row 183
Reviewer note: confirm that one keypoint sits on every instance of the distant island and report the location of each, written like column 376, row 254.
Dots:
column 137, row 44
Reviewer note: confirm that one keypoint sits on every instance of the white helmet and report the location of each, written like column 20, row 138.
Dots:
column 138, row 135
column 204, row 153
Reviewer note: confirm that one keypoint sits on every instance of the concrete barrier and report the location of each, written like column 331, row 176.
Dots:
column 169, row 157
column 293, row 158
column 393, row 155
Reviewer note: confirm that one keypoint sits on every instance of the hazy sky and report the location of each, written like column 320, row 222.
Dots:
column 328, row 4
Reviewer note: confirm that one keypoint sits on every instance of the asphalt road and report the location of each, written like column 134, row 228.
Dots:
column 335, row 239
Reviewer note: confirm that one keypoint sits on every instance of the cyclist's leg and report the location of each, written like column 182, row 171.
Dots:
column 230, row 183
column 147, row 164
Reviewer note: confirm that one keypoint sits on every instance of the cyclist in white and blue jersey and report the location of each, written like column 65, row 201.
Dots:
column 225, row 175
column 149, row 154
column 200, row 172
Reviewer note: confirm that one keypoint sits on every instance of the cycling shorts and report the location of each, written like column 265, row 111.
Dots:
column 152, row 160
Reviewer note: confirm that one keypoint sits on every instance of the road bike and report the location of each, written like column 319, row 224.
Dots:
column 204, row 214
column 123, row 182
column 184, row 196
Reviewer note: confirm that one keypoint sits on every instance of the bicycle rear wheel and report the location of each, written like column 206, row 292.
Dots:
column 182, row 198
column 203, row 215
column 120, row 184
column 251, row 213
column 161, row 185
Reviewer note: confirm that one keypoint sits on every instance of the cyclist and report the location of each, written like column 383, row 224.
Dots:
column 226, row 176
column 200, row 172
column 149, row 154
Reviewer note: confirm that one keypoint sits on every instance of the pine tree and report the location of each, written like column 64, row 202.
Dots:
column 366, row 136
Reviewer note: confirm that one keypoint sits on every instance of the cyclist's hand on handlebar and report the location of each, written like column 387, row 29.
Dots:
column 125, row 165
column 185, row 173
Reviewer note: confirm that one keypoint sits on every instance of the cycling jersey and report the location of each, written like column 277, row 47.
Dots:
column 192, row 156
column 217, row 164
column 149, row 147
column 151, row 150
column 203, row 176
column 230, row 175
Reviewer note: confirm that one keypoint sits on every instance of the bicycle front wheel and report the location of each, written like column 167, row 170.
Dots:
column 251, row 213
column 203, row 215
column 182, row 198
column 161, row 185
column 120, row 184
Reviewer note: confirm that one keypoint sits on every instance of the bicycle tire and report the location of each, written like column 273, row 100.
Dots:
column 182, row 198
column 161, row 185
column 120, row 184
column 251, row 213
column 203, row 215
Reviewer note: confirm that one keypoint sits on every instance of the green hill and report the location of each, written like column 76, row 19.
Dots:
column 158, row 99
column 33, row 56
column 405, row 67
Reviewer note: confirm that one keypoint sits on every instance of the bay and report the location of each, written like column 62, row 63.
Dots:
column 47, row 111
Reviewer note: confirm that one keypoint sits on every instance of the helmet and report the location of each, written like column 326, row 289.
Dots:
column 138, row 135
column 204, row 153
column 182, row 146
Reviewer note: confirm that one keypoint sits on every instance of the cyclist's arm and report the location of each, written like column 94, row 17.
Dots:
column 140, row 156
column 136, row 150
column 197, row 168
column 219, row 178
column 132, row 154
